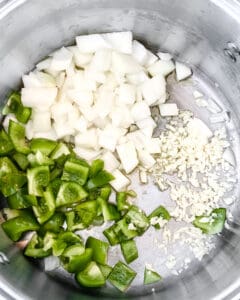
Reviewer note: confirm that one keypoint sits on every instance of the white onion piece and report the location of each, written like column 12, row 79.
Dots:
column 153, row 146
column 81, row 124
column 120, row 182
column 148, row 122
column 146, row 159
column 128, row 156
column 51, row 135
column 87, row 139
column 104, row 102
column 80, row 59
column 126, row 94
column 108, row 137
column 63, row 129
column 41, row 121
column 137, row 78
column 182, row 71
column 110, row 161
column 229, row 156
column 124, row 64
column 161, row 67
column 168, row 109
column 87, row 154
column 44, row 64
column 81, row 81
column 39, row 98
column 101, row 61
column 140, row 111
column 61, row 59
column 164, row 56
column 153, row 89
column 120, row 41
column 121, row 116
column 142, row 55
column 82, row 98
column 28, row 129
column 137, row 138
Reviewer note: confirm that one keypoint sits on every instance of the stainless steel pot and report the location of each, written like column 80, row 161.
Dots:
column 206, row 34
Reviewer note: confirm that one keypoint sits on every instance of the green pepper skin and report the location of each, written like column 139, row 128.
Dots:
column 99, row 248
column 35, row 248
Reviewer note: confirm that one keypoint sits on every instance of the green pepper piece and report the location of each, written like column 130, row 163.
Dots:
column 151, row 276
column 38, row 178
column 129, row 251
column 21, row 160
column 121, row 199
column 109, row 211
column 103, row 177
column 77, row 263
column 100, row 249
column 96, row 166
column 48, row 240
column 60, row 150
column 39, row 159
column 6, row 145
column 75, row 172
column 105, row 269
column 122, row 231
column 46, row 207
column 159, row 212
column 55, row 173
column 121, row 276
column 11, row 179
column 73, row 250
column 213, row 223
column 83, row 215
column 43, row 145
column 35, row 248
column 111, row 236
column 9, row 213
column 105, row 192
column 138, row 218
column 74, row 159
column 91, row 276
column 54, row 224
column 70, row 192
column 17, row 135
column 21, row 199
column 55, row 186
column 64, row 240
column 14, row 228
column 14, row 105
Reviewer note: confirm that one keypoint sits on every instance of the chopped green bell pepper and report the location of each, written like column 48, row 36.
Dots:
column 14, row 105
column 159, row 212
column 6, row 145
column 111, row 235
column 121, row 276
column 151, row 276
column 101, row 179
column 105, row 192
column 17, row 135
column 54, row 224
column 55, row 186
column 91, row 276
column 213, row 223
column 46, row 206
column 43, row 145
column 99, row 248
column 64, row 240
column 48, row 240
column 60, row 150
column 82, row 216
column 14, row 228
column 138, row 218
column 75, row 172
column 35, row 248
column 121, row 199
column 38, row 178
column 21, row 199
column 96, row 166
column 11, row 179
column 39, row 159
column 70, row 192
column 109, row 210
column 129, row 251
column 78, row 261
column 105, row 269
column 21, row 160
